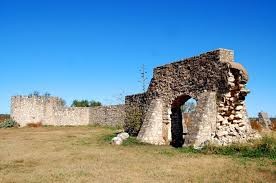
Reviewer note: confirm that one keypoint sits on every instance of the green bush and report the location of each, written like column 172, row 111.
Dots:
column 9, row 123
column 86, row 103
column 133, row 122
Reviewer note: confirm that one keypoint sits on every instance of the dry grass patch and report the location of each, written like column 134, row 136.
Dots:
column 34, row 125
column 82, row 154
column 256, row 125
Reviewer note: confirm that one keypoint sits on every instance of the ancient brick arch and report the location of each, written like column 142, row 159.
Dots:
column 218, row 85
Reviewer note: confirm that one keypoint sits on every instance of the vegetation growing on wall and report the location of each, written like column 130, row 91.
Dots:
column 133, row 120
column 38, row 94
column 143, row 78
column 46, row 94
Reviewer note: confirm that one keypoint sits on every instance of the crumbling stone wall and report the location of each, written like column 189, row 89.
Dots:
column 51, row 111
column 264, row 120
column 219, row 86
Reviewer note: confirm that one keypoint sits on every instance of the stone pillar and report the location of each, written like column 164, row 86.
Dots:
column 203, row 122
column 152, row 128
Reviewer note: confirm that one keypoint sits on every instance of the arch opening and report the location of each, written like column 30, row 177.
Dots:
column 182, row 109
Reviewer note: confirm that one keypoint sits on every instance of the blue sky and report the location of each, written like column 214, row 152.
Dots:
column 93, row 49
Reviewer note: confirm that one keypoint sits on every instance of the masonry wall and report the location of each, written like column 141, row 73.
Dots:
column 73, row 116
column 203, row 123
column 26, row 109
column 152, row 127
column 216, row 82
column 108, row 115
column 51, row 111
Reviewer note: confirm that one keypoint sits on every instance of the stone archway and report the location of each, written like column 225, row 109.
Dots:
column 177, row 139
column 219, row 85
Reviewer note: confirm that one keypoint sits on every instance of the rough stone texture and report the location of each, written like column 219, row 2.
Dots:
column 151, row 130
column 215, row 81
column 202, row 127
column 107, row 115
column 134, row 108
column 73, row 116
column 264, row 120
column 51, row 111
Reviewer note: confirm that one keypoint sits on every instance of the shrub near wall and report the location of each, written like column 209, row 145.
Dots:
column 8, row 123
column 4, row 117
column 133, row 121
column 134, row 109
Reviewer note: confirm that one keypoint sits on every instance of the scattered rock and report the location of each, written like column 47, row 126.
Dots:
column 117, row 141
column 123, row 135
column 120, row 138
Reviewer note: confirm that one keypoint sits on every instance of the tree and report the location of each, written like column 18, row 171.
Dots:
column 143, row 80
column 94, row 103
column 85, row 103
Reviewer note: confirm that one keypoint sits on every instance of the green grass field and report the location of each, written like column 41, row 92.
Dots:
column 83, row 154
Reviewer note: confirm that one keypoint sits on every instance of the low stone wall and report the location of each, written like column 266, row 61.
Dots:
column 73, row 116
column 107, row 116
column 51, row 111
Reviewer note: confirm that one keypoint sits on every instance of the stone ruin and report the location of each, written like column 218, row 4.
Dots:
column 52, row 111
column 215, row 81
column 264, row 120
